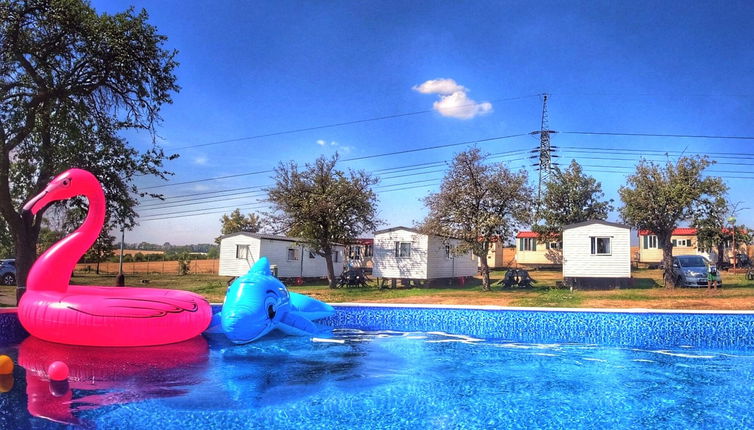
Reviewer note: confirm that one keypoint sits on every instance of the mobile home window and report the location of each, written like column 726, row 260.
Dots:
column 367, row 250
column 650, row 242
column 335, row 257
column 402, row 249
column 292, row 254
column 682, row 242
column 356, row 252
column 527, row 244
column 448, row 252
column 242, row 251
column 555, row 245
column 311, row 254
column 600, row 246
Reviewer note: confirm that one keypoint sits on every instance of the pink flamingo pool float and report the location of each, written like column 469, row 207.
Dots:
column 55, row 311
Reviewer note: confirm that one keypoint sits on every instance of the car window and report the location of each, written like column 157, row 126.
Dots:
column 692, row 262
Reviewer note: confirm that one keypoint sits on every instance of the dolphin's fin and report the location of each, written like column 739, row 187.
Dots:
column 261, row 267
column 310, row 308
column 296, row 325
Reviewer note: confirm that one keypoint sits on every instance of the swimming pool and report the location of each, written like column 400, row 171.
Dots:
column 411, row 367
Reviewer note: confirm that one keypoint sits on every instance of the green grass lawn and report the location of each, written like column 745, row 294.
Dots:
column 647, row 292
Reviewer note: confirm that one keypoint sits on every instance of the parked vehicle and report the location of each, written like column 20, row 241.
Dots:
column 8, row 272
column 691, row 271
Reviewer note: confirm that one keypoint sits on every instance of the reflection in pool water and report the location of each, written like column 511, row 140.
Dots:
column 106, row 375
column 387, row 379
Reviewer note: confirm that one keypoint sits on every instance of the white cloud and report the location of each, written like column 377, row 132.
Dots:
column 439, row 86
column 346, row 149
column 201, row 160
column 459, row 105
column 454, row 100
column 322, row 142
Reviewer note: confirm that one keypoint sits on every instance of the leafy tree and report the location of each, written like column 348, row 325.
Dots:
column 70, row 81
column 658, row 197
column 47, row 238
column 322, row 205
column 570, row 197
column 6, row 241
column 479, row 204
column 713, row 228
column 236, row 222
column 184, row 263
column 102, row 249
column 213, row 253
column 155, row 257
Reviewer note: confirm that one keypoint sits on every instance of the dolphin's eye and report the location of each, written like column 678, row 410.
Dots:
column 66, row 182
column 270, row 311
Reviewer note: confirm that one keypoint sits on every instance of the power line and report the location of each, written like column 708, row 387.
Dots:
column 379, row 188
column 242, row 195
column 406, row 151
column 169, row 201
column 725, row 163
column 658, row 152
column 590, row 149
column 690, row 136
column 340, row 124
column 158, row 217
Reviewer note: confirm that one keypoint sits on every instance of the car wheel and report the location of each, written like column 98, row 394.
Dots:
column 9, row 279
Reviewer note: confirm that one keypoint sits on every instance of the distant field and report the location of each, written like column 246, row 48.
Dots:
column 142, row 267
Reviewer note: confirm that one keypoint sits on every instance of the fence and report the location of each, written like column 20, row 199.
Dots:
column 109, row 268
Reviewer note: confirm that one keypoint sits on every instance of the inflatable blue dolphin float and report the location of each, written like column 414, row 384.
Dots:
column 257, row 303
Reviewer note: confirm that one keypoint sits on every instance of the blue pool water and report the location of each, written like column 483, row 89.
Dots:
column 431, row 374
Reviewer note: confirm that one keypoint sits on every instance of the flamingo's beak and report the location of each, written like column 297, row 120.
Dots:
column 37, row 203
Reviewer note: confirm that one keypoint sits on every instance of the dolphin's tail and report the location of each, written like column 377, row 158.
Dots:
column 309, row 308
column 296, row 325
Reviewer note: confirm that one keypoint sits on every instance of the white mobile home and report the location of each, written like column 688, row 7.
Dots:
column 597, row 254
column 239, row 251
column 405, row 253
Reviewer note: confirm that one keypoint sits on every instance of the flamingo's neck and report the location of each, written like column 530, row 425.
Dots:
column 52, row 271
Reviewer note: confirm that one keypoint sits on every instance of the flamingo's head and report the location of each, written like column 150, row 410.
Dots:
column 68, row 184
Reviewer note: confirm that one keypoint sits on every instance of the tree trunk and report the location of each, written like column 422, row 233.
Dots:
column 485, row 274
column 330, row 268
column 667, row 260
column 26, row 251
column 97, row 271
column 720, row 251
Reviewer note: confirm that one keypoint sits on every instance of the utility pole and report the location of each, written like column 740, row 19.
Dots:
column 120, row 280
column 544, row 152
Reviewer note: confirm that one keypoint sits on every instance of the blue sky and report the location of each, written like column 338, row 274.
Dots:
column 260, row 68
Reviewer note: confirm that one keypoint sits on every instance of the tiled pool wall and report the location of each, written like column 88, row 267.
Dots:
column 640, row 329
column 626, row 328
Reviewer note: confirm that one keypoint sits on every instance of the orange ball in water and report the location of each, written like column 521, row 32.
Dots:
column 6, row 383
column 6, row 365
column 58, row 371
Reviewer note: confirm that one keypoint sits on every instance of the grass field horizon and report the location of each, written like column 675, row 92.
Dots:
column 647, row 292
